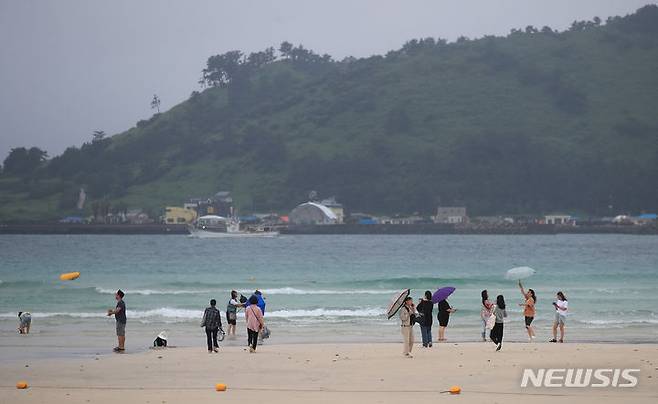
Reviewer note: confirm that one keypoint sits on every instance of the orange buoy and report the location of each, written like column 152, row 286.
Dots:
column 69, row 276
column 455, row 390
column 220, row 387
column 21, row 385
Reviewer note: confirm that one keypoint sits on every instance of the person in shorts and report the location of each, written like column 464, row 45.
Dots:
column 232, row 312
column 561, row 310
column 528, row 310
column 119, row 314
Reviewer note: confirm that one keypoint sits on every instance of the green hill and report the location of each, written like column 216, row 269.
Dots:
column 533, row 122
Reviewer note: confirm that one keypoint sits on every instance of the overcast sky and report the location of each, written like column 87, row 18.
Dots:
column 69, row 67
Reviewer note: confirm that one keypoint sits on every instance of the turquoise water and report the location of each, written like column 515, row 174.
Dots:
column 327, row 288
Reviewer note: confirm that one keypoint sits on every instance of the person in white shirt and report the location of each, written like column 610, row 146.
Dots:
column 561, row 310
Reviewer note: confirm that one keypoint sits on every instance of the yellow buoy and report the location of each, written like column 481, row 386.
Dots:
column 455, row 390
column 21, row 385
column 220, row 387
column 69, row 276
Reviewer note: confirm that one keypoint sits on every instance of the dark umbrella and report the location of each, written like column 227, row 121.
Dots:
column 442, row 294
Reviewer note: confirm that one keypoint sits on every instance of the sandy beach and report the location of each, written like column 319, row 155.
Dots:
column 346, row 373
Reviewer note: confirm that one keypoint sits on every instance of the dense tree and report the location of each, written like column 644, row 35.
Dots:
column 22, row 162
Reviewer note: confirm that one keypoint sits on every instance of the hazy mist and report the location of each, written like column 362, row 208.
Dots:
column 74, row 66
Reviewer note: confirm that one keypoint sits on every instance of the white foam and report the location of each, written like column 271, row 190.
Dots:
column 295, row 291
column 147, row 292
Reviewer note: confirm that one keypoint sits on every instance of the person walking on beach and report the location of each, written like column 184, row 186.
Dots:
column 407, row 314
column 443, row 316
column 425, row 309
column 212, row 320
column 24, row 322
column 485, row 312
column 528, row 310
column 561, row 310
column 232, row 312
column 499, row 311
column 261, row 304
column 255, row 323
column 119, row 314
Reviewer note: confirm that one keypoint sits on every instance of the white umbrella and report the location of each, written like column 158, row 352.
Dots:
column 519, row 273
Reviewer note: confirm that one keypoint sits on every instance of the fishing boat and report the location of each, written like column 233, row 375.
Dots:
column 212, row 226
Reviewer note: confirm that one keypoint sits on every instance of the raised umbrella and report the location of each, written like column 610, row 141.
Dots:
column 442, row 294
column 397, row 302
column 519, row 273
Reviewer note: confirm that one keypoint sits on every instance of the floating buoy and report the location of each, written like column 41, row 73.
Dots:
column 69, row 276
column 455, row 390
column 220, row 387
column 21, row 385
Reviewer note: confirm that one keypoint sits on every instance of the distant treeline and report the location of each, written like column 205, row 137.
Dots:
column 536, row 121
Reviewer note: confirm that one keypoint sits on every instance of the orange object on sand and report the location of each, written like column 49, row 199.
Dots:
column 21, row 385
column 220, row 387
column 455, row 390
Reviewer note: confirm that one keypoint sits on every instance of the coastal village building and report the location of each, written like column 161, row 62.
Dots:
column 335, row 207
column 450, row 214
column 178, row 215
column 312, row 213
column 558, row 219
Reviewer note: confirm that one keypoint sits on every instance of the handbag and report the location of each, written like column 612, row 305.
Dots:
column 266, row 332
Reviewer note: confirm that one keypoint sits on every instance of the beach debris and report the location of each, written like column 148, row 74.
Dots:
column 453, row 390
column 220, row 387
column 69, row 276
column 21, row 385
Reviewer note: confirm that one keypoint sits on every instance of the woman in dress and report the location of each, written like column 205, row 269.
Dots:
column 443, row 316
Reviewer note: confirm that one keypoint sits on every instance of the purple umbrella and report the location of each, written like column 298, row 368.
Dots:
column 442, row 294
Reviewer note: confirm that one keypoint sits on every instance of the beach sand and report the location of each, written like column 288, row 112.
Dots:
column 328, row 373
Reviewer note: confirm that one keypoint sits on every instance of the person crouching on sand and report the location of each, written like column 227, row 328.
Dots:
column 25, row 321
column 119, row 314
column 561, row 309
column 407, row 315
column 212, row 320
column 485, row 313
column 528, row 310
column 255, row 322
column 496, row 334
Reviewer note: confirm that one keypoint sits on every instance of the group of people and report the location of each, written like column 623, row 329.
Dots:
column 254, row 309
column 493, row 316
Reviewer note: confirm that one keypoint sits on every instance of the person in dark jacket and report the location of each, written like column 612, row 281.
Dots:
column 443, row 316
column 425, row 308
column 212, row 320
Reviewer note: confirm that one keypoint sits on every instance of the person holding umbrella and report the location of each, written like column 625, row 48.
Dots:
column 445, row 310
column 528, row 309
column 407, row 316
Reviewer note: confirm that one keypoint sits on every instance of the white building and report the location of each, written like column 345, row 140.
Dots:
column 450, row 214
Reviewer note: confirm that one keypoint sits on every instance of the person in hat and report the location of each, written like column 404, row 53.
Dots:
column 161, row 340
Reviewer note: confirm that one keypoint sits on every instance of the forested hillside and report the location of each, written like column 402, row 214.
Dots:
column 536, row 121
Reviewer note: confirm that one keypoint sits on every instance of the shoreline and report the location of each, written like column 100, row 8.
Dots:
column 332, row 229
column 351, row 373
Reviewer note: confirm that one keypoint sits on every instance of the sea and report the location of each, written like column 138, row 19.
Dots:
column 318, row 288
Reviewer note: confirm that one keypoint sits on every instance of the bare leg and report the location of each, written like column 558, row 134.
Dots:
column 561, row 332
column 442, row 331
column 122, row 342
column 27, row 329
column 555, row 330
